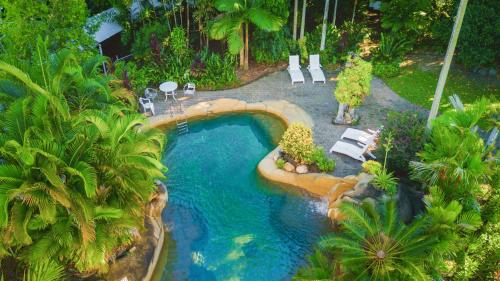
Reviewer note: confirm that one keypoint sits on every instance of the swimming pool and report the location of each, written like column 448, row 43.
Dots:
column 226, row 222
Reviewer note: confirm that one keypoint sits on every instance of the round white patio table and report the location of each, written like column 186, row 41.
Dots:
column 169, row 89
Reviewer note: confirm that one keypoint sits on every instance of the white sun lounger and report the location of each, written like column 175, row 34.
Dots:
column 315, row 69
column 351, row 150
column 294, row 70
column 360, row 135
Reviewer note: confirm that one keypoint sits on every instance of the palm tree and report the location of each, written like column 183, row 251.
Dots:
column 72, row 187
column 234, row 24
column 455, row 156
column 376, row 245
column 323, row 30
column 295, row 16
column 303, row 20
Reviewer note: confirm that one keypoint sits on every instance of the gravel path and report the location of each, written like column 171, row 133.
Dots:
column 318, row 101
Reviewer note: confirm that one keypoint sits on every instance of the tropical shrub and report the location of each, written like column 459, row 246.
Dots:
column 280, row 163
column 454, row 157
column 297, row 142
column 408, row 136
column 406, row 17
column 371, row 167
column 270, row 47
column 376, row 245
column 73, row 182
column 385, row 180
column 477, row 44
column 324, row 163
column 352, row 88
column 319, row 267
column 148, row 40
column 63, row 20
column 391, row 48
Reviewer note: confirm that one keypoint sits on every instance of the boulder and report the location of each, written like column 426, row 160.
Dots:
column 360, row 188
column 289, row 167
column 301, row 169
column 350, row 200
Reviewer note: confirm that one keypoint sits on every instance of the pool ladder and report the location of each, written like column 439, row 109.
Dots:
column 182, row 126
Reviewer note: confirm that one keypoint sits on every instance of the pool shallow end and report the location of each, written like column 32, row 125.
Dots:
column 318, row 185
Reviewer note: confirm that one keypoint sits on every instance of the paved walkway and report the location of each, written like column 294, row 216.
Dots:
column 318, row 101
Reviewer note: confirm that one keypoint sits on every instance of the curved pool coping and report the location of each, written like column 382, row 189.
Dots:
column 317, row 184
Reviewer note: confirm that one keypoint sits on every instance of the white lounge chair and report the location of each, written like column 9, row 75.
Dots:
column 189, row 89
column 351, row 150
column 147, row 104
column 315, row 69
column 294, row 70
column 361, row 136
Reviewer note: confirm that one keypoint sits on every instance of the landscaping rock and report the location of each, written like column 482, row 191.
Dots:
column 492, row 72
column 361, row 187
column 350, row 200
column 289, row 167
column 302, row 169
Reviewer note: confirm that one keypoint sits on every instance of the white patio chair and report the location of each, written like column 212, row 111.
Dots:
column 351, row 150
column 150, row 93
column 147, row 104
column 189, row 89
column 294, row 70
column 314, row 68
column 361, row 136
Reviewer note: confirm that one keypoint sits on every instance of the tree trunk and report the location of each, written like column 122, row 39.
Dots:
column 354, row 10
column 323, row 31
column 295, row 17
column 340, row 114
column 246, row 46
column 303, row 21
column 447, row 61
column 187, row 20
column 242, row 51
column 335, row 13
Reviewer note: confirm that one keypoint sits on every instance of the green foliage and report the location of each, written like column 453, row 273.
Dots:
column 391, row 48
column 141, row 47
column 371, row 167
column 237, row 13
column 354, row 83
column 406, row 17
column 407, row 130
column 297, row 142
column 477, row 44
column 320, row 158
column 73, row 181
column 386, row 70
column 385, row 180
column 376, row 245
column 270, row 47
column 280, row 163
column 319, row 267
column 454, row 157
column 25, row 21
column 44, row 271
column 304, row 53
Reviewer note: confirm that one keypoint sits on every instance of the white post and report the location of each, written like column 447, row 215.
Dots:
column 323, row 31
column 447, row 62
column 103, row 64
column 295, row 15
column 335, row 13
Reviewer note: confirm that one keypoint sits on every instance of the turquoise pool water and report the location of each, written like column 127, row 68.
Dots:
column 226, row 222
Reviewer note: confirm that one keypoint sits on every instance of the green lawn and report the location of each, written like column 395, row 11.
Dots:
column 418, row 86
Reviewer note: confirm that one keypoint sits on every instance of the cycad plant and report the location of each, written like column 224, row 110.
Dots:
column 376, row 245
column 319, row 268
column 233, row 24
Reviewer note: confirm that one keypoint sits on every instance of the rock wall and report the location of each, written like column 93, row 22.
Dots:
column 140, row 261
